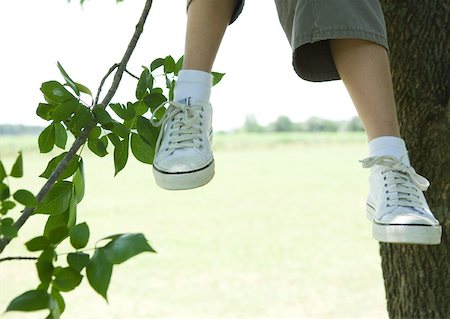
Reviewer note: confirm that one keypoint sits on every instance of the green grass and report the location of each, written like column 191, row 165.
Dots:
column 279, row 233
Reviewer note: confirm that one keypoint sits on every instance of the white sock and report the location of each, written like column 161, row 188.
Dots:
column 389, row 145
column 194, row 84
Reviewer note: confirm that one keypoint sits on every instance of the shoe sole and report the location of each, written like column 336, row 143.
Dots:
column 404, row 234
column 183, row 181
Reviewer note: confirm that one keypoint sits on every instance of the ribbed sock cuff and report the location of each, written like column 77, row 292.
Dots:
column 194, row 84
column 391, row 146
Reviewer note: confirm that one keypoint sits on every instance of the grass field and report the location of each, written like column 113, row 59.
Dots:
column 279, row 233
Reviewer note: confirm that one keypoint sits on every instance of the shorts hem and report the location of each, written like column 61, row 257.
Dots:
column 340, row 33
column 329, row 34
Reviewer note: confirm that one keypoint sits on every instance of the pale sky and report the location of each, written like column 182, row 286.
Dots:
column 255, row 56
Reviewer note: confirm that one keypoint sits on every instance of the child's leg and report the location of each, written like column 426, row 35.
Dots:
column 364, row 68
column 207, row 22
column 347, row 40
column 396, row 200
column 184, row 157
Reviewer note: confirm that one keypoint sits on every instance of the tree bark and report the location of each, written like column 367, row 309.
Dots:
column 417, row 278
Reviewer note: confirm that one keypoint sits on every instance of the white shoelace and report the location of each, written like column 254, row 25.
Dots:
column 402, row 183
column 187, row 120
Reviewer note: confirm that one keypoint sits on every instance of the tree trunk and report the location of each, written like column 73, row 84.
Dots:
column 417, row 278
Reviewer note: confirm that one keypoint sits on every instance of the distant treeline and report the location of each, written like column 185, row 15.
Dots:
column 281, row 124
column 314, row 124
column 19, row 129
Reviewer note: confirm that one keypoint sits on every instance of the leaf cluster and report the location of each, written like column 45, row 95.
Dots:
column 118, row 128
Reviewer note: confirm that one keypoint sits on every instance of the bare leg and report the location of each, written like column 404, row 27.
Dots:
column 207, row 22
column 364, row 68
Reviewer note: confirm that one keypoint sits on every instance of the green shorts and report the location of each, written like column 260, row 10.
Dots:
column 309, row 24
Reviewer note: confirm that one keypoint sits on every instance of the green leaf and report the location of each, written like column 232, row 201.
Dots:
column 83, row 89
column 142, row 151
column 99, row 271
column 2, row 172
column 70, row 169
column 156, row 64
column 120, row 156
column 172, row 91
column 95, row 133
column 72, row 209
column 38, row 243
column 168, row 83
column 17, row 169
column 45, row 111
column 56, row 304
column 179, row 65
column 4, row 191
column 169, row 64
column 80, row 119
column 58, row 234
column 78, row 181
column 57, row 199
column 69, row 81
column 46, row 139
column 154, row 100
column 29, row 301
column 141, row 108
column 114, row 139
column 66, row 279
column 60, row 135
column 118, row 128
column 64, row 110
column 122, row 111
column 147, row 131
column 55, row 92
column 78, row 260
column 102, row 116
column 97, row 147
column 145, row 82
column 217, row 77
column 125, row 247
column 44, row 265
column 25, row 198
column 7, row 228
column 7, row 204
column 79, row 235
column 56, row 221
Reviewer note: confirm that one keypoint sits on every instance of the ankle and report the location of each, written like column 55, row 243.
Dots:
column 193, row 84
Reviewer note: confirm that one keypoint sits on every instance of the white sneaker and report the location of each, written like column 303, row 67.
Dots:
column 183, row 155
column 396, row 204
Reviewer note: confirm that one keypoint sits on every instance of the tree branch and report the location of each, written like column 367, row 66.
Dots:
column 17, row 258
column 111, row 70
column 81, row 139
column 131, row 74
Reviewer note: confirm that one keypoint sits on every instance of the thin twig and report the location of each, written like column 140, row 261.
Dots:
column 17, row 258
column 111, row 70
column 131, row 74
column 81, row 139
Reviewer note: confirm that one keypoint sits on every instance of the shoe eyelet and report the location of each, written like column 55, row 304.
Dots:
column 166, row 149
column 385, row 185
column 387, row 192
column 384, row 178
column 388, row 198
column 387, row 205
